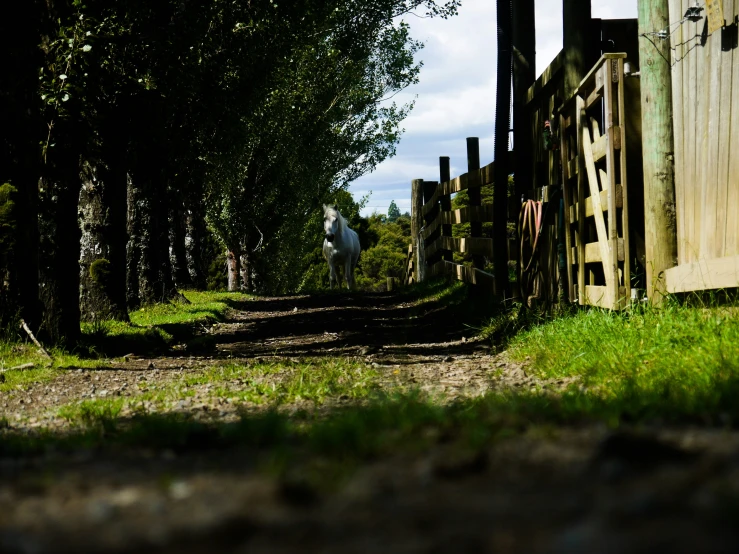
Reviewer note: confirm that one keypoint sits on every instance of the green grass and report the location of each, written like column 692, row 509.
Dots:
column 676, row 362
column 205, row 307
column 266, row 384
column 281, row 383
column 679, row 364
column 156, row 327
column 16, row 354
column 152, row 329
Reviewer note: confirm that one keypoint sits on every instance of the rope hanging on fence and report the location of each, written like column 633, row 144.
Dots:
column 530, row 222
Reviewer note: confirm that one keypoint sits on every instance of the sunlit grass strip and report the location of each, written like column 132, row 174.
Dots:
column 271, row 384
column 679, row 360
column 205, row 306
column 16, row 354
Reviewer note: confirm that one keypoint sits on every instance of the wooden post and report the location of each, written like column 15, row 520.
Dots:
column 523, row 43
column 660, row 225
column 446, row 202
column 417, row 222
column 429, row 189
column 524, row 75
column 579, row 56
column 475, row 195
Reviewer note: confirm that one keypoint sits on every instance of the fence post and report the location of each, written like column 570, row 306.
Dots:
column 446, row 202
column 417, row 224
column 660, row 230
column 429, row 188
column 577, row 43
column 475, row 194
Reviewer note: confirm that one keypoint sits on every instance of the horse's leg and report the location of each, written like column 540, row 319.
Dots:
column 332, row 276
column 348, row 273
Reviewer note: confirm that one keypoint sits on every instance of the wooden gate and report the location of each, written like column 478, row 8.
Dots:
column 595, row 187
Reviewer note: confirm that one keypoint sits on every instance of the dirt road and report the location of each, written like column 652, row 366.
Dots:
column 544, row 489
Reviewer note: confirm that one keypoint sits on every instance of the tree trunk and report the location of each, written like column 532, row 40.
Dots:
column 133, row 246
column 177, row 239
column 195, row 247
column 59, row 246
column 246, row 270
column 149, row 213
column 103, row 224
column 149, row 237
column 234, row 269
column 19, row 161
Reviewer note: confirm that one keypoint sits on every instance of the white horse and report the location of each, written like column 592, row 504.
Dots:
column 340, row 246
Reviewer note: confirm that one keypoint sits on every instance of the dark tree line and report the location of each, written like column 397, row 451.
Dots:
column 131, row 130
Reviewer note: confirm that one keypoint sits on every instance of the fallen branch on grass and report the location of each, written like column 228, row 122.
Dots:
column 36, row 342
column 29, row 365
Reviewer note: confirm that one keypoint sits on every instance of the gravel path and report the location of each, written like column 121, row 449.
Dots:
column 559, row 490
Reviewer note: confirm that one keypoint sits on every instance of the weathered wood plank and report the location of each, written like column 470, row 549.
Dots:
column 600, row 148
column 718, row 273
column 439, row 268
column 608, row 177
column 572, row 166
column 621, row 134
column 477, row 178
column 471, row 213
column 710, row 242
column 581, row 184
column 593, row 253
column 548, row 75
column 598, row 296
column 472, row 245
column 597, row 208
column 566, row 193
column 678, row 95
column 732, row 228
column 725, row 211
column 432, row 203
column 595, row 95
column 431, row 227
column 603, row 201
column 692, row 190
column 703, row 73
column 471, row 275
column 434, row 247
column 588, row 80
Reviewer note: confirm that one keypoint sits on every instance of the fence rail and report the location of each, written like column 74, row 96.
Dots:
column 436, row 218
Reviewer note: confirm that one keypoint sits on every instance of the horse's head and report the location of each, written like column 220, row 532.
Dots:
column 331, row 222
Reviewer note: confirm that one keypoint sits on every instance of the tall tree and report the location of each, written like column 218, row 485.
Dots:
column 393, row 212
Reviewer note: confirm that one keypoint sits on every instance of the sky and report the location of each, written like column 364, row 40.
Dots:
column 455, row 96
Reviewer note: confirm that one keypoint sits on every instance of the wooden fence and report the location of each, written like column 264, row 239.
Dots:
column 595, row 170
column 705, row 92
column 435, row 236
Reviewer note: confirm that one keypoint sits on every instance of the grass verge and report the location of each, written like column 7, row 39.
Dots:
column 678, row 361
column 152, row 329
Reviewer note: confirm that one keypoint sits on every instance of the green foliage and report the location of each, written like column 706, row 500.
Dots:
column 393, row 212
column 100, row 272
column 7, row 223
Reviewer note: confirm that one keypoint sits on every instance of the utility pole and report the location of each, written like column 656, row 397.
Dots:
column 660, row 224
